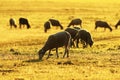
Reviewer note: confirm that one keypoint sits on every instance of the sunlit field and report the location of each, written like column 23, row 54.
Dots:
column 19, row 47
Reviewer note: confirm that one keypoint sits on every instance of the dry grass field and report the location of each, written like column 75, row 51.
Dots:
column 19, row 47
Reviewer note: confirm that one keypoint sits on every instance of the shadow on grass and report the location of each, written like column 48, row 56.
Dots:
column 33, row 60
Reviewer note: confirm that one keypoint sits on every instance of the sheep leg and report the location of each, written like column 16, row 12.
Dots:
column 48, row 54
column 84, row 44
column 77, row 43
column 20, row 26
column 57, row 52
column 73, row 44
column 11, row 26
column 66, row 51
column 45, row 30
column 64, row 54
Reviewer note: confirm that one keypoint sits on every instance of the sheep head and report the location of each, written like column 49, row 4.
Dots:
column 91, row 43
column 41, row 54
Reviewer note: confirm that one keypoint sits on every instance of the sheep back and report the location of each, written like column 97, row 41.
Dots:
column 75, row 22
column 57, row 40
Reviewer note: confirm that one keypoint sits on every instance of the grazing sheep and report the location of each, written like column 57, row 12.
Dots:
column 73, row 32
column 24, row 21
column 55, row 23
column 118, row 23
column 85, row 38
column 55, row 41
column 75, row 22
column 46, row 26
column 102, row 24
column 12, row 23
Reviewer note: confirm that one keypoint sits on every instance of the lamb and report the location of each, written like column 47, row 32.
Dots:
column 76, row 21
column 55, row 41
column 85, row 38
column 102, row 24
column 118, row 23
column 24, row 21
column 12, row 23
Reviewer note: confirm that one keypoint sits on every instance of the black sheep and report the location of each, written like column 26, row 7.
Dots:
column 55, row 41
column 12, row 23
column 24, row 21
column 46, row 26
column 85, row 38
column 75, row 22
column 55, row 23
column 118, row 23
column 102, row 24
column 73, row 32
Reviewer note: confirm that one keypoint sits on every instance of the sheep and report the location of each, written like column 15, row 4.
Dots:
column 55, row 23
column 24, row 21
column 55, row 41
column 76, row 21
column 85, row 38
column 73, row 32
column 46, row 26
column 118, row 23
column 12, row 23
column 102, row 24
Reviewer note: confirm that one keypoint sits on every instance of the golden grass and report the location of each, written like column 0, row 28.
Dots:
column 19, row 47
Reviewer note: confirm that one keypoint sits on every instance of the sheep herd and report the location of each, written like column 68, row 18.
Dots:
column 69, row 36
column 22, row 21
column 54, row 22
column 77, row 21
column 65, row 38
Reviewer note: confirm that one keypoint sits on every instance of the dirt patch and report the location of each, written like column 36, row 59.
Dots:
column 65, row 63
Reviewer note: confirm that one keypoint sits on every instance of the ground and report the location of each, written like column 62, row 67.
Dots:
column 19, row 47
